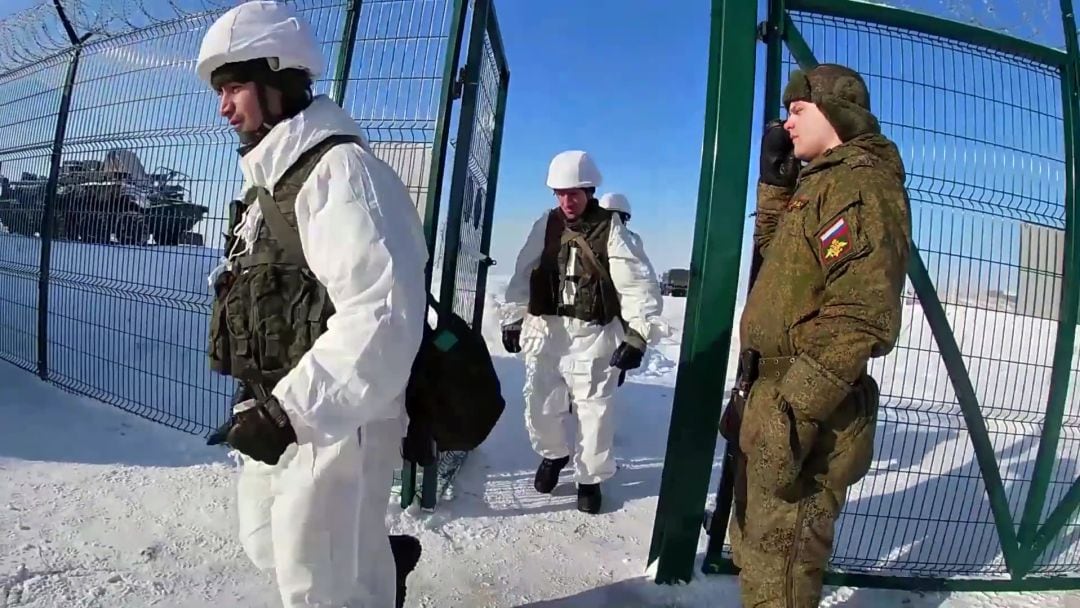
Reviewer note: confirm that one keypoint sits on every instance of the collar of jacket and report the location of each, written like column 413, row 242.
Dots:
column 267, row 162
column 872, row 146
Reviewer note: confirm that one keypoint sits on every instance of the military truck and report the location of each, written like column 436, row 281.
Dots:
column 102, row 201
column 675, row 282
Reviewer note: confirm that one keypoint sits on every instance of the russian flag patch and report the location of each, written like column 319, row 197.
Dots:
column 835, row 241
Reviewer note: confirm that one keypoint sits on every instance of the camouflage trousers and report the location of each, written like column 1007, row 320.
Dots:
column 781, row 546
column 786, row 506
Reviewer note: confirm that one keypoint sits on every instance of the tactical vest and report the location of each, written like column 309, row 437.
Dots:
column 270, row 308
column 596, row 300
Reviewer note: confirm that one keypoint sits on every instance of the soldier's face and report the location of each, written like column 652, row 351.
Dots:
column 572, row 202
column 239, row 104
column 811, row 133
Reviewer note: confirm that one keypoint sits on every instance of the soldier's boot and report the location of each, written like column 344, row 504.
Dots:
column 547, row 474
column 588, row 498
column 406, row 550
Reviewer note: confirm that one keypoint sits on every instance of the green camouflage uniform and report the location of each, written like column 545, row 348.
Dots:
column 826, row 300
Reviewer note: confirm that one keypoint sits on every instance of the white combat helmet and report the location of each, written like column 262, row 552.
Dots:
column 615, row 202
column 260, row 30
column 573, row 169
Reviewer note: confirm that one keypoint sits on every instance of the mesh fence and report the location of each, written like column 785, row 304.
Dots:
column 473, row 198
column 28, row 98
column 981, row 134
column 1035, row 20
column 147, row 170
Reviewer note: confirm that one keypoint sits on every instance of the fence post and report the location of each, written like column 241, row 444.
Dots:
column 345, row 53
column 442, row 130
column 434, row 190
column 48, row 220
column 710, row 308
column 771, row 32
column 1067, row 313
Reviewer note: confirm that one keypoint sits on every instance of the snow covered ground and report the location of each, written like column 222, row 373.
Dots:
column 99, row 508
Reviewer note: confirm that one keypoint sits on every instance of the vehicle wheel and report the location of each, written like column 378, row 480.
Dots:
column 131, row 230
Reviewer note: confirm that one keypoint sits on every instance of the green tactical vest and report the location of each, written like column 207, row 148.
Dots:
column 270, row 308
column 597, row 300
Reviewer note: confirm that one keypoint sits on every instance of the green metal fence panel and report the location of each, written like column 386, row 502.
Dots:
column 146, row 169
column 466, row 233
column 974, row 483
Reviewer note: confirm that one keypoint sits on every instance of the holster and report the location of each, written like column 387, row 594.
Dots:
column 731, row 419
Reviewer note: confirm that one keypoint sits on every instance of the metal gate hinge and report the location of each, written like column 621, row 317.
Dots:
column 764, row 34
column 459, row 84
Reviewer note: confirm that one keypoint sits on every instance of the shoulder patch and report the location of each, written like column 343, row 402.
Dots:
column 835, row 241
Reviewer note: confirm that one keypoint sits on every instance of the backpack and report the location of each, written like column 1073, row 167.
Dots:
column 453, row 397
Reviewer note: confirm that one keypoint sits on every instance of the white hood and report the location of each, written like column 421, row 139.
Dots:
column 267, row 162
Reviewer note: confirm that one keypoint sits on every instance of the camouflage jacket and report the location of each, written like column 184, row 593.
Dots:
column 835, row 255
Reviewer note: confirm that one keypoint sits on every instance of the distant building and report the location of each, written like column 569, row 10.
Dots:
column 1042, row 253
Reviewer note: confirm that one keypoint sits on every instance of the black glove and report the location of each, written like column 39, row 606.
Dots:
column 261, row 432
column 779, row 167
column 511, row 337
column 630, row 352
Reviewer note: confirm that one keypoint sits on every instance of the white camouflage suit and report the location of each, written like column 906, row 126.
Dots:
column 568, row 359
column 317, row 518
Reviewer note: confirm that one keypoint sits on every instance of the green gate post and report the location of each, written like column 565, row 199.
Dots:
column 345, row 52
column 1067, row 316
column 710, row 306
column 435, row 182
column 771, row 32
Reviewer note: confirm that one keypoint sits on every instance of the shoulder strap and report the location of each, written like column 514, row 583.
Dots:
column 284, row 231
column 590, row 256
column 300, row 170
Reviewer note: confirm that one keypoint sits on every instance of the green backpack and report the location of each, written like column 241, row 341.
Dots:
column 453, row 397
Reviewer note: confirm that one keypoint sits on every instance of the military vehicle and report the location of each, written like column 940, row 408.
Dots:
column 675, row 282
column 102, row 201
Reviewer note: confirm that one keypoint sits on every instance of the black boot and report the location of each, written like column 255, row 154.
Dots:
column 406, row 551
column 588, row 498
column 547, row 475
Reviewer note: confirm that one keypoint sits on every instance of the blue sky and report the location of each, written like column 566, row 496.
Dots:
column 627, row 85
column 625, row 80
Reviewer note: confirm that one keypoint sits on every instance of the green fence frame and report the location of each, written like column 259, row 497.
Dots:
column 482, row 88
column 717, row 245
